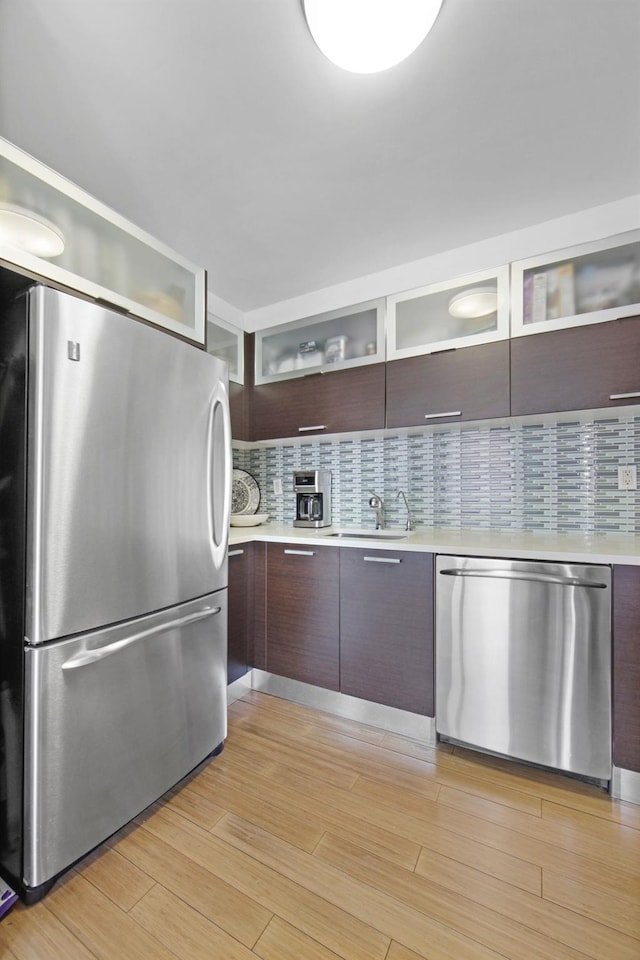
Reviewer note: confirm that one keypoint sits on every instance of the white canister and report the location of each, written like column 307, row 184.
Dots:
column 335, row 349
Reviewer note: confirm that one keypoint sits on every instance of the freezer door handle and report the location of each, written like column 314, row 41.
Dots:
column 219, row 536
column 531, row 577
column 92, row 656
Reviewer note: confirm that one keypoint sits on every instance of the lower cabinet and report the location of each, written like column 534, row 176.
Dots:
column 246, row 630
column 302, row 636
column 240, row 607
column 626, row 667
column 352, row 620
column 386, row 628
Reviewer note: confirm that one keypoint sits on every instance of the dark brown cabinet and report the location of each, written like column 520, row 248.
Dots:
column 239, row 409
column 471, row 383
column 386, row 628
column 258, row 635
column 626, row 667
column 246, row 629
column 240, row 395
column 324, row 403
column 240, row 607
column 580, row 368
column 302, row 623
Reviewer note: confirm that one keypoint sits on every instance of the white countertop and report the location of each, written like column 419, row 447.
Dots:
column 564, row 547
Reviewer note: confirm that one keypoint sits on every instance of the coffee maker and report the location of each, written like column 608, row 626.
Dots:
column 313, row 498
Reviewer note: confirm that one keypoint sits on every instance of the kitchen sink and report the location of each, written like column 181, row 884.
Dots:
column 373, row 535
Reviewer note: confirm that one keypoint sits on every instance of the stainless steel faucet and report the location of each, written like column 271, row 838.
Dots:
column 378, row 505
column 410, row 524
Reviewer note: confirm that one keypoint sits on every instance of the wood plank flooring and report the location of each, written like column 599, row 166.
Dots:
column 316, row 838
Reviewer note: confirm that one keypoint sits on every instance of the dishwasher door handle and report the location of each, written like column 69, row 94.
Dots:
column 531, row 577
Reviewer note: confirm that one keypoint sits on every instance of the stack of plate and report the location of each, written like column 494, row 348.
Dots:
column 245, row 500
column 248, row 520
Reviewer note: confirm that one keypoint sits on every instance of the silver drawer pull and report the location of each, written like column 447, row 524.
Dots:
column 435, row 416
column 236, row 553
column 91, row 656
column 624, row 396
column 319, row 426
column 382, row 559
column 530, row 577
column 301, row 553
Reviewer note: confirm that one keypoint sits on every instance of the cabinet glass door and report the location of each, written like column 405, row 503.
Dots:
column 226, row 342
column 336, row 340
column 443, row 316
column 586, row 284
column 53, row 229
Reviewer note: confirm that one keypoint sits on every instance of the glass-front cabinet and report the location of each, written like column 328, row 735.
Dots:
column 226, row 342
column 335, row 340
column 52, row 229
column 585, row 284
column 469, row 310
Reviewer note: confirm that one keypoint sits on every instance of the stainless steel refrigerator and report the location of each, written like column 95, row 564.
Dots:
column 115, row 475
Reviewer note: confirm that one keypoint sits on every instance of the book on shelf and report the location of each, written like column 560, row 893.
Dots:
column 539, row 298
column 566, row 290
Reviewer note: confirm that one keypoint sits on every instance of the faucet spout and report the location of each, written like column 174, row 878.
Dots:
column 378, row 505
column 410, row 524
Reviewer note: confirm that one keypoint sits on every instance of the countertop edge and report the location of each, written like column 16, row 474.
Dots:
column 563, row 548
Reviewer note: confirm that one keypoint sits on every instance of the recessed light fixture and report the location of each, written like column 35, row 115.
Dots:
column 366, row 36
column 29, row 232
column 474, row 303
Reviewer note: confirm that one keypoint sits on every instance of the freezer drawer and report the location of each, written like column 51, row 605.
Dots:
column 113, row 719
column 523, row 660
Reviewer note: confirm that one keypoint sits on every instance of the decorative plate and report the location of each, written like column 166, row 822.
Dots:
column 245, row 497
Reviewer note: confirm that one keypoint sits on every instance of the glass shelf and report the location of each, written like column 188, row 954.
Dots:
column 443, row 316
column 226, row 342
column 590, row 283
column 92, row 249
column 330, row 341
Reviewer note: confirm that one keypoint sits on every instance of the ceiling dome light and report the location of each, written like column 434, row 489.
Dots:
column 366, row 36
column 474, row 303
column 29, row 232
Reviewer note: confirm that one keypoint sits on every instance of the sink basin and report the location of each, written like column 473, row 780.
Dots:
column 373, row 535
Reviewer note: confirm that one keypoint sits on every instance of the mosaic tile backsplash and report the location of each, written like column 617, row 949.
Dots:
column 559, row 476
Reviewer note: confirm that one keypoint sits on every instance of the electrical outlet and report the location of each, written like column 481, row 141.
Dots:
column 627, row 479
column 277, row 486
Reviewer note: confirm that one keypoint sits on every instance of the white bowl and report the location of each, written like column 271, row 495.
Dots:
column 248, row 519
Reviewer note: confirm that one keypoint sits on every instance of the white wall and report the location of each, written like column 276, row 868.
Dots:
column 592, row 224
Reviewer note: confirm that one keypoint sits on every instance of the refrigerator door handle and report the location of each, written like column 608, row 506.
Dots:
column 220, row 538
column 92, row 656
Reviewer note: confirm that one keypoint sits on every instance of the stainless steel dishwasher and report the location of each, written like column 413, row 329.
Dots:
column 523, row 660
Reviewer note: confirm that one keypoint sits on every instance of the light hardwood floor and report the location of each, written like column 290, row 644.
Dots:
column 314, row 838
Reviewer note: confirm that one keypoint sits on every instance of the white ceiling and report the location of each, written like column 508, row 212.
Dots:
column 219, row 127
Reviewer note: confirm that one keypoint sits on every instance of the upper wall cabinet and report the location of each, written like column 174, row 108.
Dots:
column 336, row 340
column 53, row 229
column 443, row 316
column 579, row 285
column 226, row 342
